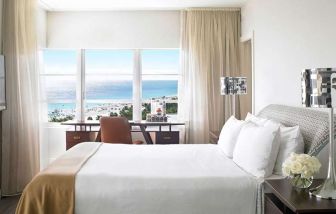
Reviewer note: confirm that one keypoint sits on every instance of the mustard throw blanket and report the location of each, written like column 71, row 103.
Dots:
column 52, row 191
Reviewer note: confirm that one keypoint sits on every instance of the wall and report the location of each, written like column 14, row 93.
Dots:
column 1, row 16
column 289, row 35
column 1, row 51
column 127, row 29
column 41, row 27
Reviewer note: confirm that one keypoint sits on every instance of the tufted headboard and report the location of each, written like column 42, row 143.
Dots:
column 314, row 124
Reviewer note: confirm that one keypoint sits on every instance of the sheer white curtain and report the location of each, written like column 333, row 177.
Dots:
column 210, row 49
column 20, row 122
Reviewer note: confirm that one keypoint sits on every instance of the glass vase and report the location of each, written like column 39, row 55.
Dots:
column 300, row 182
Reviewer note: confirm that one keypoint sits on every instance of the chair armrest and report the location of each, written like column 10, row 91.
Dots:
column 138, row 142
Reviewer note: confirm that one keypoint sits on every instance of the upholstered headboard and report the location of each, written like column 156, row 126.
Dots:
column 314, row 124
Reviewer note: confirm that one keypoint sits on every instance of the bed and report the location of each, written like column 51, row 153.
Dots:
column 143, row 179
column 163, row 179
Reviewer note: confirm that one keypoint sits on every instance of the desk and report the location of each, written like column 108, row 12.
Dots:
column 83, row 132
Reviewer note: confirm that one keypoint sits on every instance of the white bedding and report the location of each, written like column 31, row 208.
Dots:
column 159, row 179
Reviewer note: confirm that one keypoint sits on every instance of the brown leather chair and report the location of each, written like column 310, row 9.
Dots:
column 116, row 130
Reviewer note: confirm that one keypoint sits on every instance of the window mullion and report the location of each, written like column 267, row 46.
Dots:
column 80, row 86
column 83, row 87
column 137, row 89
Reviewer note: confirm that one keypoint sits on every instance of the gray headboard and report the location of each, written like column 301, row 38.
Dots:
column 314, row 124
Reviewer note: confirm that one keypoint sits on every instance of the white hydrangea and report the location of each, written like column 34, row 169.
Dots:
column 302, row 164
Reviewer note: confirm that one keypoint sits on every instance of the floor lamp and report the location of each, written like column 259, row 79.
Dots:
column 233, row 86
column 319, row 90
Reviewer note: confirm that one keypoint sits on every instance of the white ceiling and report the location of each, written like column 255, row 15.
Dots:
column 91, row 5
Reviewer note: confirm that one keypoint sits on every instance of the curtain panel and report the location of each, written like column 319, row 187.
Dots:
column 209, row 50
column 20, row 122
column 246, row 71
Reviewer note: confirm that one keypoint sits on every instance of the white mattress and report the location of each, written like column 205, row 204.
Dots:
column 160, row 179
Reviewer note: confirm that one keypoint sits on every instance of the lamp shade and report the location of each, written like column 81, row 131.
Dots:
column 318, row 87
column 233, row 85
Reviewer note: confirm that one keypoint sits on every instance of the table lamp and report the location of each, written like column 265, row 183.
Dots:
column 233, row 86
column 319, row 90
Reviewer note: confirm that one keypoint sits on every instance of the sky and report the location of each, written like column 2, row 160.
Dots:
column 111, row 61
column 108, row 68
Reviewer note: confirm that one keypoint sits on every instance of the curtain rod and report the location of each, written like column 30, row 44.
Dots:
column 213, row 9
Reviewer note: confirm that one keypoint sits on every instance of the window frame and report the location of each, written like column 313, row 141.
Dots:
column 80, row 75
column 44, row 101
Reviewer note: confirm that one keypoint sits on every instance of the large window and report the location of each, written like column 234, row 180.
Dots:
column 108, row 83
column 99, row 83
column 160, row 75
column 58, row 81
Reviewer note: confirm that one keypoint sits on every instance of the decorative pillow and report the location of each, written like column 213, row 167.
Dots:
column 291, row 140
column 229, row 134
column 255, row 148
column 257, row 120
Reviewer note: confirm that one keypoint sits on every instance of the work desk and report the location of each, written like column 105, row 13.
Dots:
column 89, row 131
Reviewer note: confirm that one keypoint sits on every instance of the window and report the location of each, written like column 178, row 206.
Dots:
column 160, row 75
column 108, row 83
column 95, row 83
column 58, row 83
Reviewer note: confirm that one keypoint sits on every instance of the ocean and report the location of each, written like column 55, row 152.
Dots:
column 118, row 90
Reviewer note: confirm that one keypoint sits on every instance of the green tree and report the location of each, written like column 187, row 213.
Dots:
column 112, row 114
column 57, row 117
column 146, row 110
column 171, row 108
column 127, row 112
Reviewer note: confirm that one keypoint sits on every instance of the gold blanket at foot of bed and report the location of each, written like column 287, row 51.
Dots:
column 52, row 191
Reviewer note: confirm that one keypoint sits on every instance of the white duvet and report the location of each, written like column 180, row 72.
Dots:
column 160, row 179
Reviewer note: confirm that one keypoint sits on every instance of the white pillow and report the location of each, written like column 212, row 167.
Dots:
column 291, row 140
column 279, row 137
column 257, row 120
column 255, row 148
column 229, row 134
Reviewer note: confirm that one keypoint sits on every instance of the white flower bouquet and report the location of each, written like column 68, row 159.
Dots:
column 301, row 168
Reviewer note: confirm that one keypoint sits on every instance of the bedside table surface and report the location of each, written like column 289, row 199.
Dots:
column 300, row 200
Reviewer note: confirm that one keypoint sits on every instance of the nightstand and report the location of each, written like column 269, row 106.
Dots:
column 283, row 198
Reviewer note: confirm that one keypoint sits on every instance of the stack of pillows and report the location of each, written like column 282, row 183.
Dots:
column 259, row 145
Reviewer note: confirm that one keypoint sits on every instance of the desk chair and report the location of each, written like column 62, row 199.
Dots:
column 116, row 130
